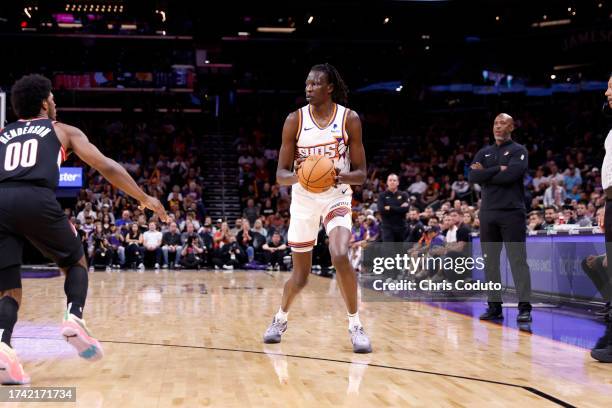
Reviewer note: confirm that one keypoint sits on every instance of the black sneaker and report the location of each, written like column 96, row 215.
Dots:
column 524, row 316
column 492, row 313
column 603, row 355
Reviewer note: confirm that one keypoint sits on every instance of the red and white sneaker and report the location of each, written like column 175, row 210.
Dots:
column 11, row 371
column 76, row 333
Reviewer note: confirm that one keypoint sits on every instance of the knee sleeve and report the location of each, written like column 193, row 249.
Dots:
column 10, row 277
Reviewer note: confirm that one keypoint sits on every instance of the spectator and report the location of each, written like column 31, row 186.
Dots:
column 152, row 242
column 414, row 229
column 222, row 237
column 418, row 187
column 116, row 240
column 460, row 188
column 251, row 212
column 125, row 219
column 373, row 228
column 134, row 253
column 582, row 219
column 274, row 251
column 237, row 226
column 258, row 227
column 550, row 218
column 554, row 195
column 535, row 222
column 100, row 251
column 250, row 241
column 192, row 251
column 231, row 255
column 171, row 244
column 86, row 212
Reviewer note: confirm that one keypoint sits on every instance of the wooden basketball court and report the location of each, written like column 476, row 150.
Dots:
column 191, row 339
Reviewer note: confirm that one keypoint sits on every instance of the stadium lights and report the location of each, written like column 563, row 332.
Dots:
column 310, row 19
column 553, row 76
column 386, row 20
column 551, row 23
column 27, row 12
column 284, row 30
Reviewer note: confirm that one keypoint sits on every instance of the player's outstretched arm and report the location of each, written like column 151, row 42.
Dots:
column 358, row 173
column 284, row 172
column 74, row 139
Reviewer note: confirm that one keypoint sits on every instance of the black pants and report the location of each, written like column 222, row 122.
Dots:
column 392, row 233
column 499, row 227
column 273, row 258
column 608, row 234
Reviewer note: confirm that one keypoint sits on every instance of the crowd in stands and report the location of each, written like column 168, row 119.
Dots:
column 563, row 188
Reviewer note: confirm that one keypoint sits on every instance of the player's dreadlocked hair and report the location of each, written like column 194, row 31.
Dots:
column 28, row 94
column 340, row 94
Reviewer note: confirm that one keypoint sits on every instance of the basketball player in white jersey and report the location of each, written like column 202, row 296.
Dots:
column 323, row 127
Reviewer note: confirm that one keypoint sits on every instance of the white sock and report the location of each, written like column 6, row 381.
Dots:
column 354, row 320
column 281, row 316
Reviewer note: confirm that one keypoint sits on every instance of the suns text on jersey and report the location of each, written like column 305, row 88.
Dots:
column 328, row 150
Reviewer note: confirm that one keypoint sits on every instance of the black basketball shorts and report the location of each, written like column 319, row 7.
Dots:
column 33, row 213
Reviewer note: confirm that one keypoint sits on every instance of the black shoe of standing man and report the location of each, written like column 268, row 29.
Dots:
column 524, row 315
column 493, row 312
column 603, row 349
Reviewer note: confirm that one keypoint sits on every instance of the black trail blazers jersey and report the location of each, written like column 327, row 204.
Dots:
column 30, row 152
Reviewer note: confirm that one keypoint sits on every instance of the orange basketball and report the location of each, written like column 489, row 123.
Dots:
column 317, row 174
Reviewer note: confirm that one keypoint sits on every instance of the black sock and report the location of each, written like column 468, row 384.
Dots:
column 8, row 317
column 75, row 287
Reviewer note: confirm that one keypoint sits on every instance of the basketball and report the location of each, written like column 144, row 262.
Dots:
column 317, row 174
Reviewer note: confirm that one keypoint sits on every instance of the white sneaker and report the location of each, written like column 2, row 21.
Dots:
column 11, row 370
column 228, row 267
column 360, row 340
column 141, row 266
column 78, row 336
column 156, row 266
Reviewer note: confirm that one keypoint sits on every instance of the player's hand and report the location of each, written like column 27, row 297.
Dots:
column 338, row 177
column 298, row 163
column 154, row 205
column 476, row 166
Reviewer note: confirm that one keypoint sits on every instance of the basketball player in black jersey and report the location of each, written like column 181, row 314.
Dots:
column 31, row 151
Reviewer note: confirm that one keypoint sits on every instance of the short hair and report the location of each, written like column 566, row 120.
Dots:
column 453, row 211
column 550, row 207
column 28, row 94
column 392, row 174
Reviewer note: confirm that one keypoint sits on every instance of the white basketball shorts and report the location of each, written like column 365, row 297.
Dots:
column 307, row 210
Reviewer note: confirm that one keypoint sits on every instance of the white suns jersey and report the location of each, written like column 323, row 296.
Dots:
column 331, row 140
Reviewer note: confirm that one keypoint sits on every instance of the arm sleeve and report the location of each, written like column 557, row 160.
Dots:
column 515, row 171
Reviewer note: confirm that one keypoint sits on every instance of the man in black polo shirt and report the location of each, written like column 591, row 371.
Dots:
column 499, row 169
column 393, row 206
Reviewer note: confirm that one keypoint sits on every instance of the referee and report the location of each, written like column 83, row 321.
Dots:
column 603, row 349
column 393, row 206
column 500, row 169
